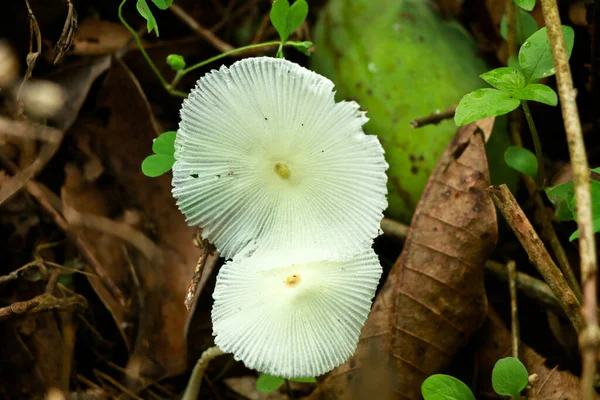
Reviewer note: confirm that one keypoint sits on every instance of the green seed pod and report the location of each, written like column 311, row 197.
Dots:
column 400, row 61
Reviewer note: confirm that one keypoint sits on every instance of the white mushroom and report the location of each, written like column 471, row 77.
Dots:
column 266, row 159
column 293, row 320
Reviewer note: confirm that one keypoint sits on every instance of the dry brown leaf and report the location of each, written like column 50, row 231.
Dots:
column 99, row 37
column 123, row 143
column 553, row 384
column 433, row 299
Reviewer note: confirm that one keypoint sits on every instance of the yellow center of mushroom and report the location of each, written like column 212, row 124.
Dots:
column 282, row 170
column 293, row 280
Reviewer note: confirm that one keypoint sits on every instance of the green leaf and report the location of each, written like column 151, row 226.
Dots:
column 445, row 387
column 301, row 46
column 522, row 160
column 535, row 56
column 595, row 227
column 157, row 164
column 507, row 79
column 165, row 143
column 525, row 4
column 483, row 103
column 526, row 28
column 268, row 383
column 145, row 12
column 162, row 4
column 296, row 16
column 279, row 17
column 509, row 377
column 596, row 170
column 304, row 380
column 561, row 196
column 176, row 62
column 539, row 92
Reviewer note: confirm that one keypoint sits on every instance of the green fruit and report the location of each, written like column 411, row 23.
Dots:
column 400, row 61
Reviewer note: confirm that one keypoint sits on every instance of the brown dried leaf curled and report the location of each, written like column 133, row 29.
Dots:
column 434, row 297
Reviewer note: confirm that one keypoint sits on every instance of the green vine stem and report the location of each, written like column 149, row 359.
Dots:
column 537, row 145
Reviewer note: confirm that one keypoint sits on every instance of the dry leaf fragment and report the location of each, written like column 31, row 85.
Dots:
column 434, row 297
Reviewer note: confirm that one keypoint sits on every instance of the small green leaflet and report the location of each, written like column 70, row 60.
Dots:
column 509, row 377
column 303, row 47
column 506, row 79
column 268, row 383
column 162, row 4
column 287, row 19
column 445, row 387
column 561, row 196
column 163, row 159
column 145, row 12
column 525, row 4
column 538, row 92
column 535, row 56
column 483, row 103
column 525, row 28
column 522, row 160
column 304, row 380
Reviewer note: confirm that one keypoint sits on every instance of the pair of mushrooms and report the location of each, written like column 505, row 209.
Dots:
column 286, row 184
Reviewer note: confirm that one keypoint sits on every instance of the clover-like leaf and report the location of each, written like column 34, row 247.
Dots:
column 509, row 377
column 483, row 103
column 507, row 79
column 561, row 196
column 522, row 160
column 525, row 28
column 165, row 143
column 539, row 92
column 525, row 4
column 268, row 383
column 279, row 15
column 145, row 12
column 445, row 387
column 535, row 56
column 296, row 16
column 162, row 4
column 157, row 164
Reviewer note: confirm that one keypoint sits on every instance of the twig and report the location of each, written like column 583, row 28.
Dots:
column 511, row 27
column 68, row 34
column 529, row 286
column 26, row 130
column 193, row 387
column 511, row 266
column 590, row 339
column 394, row 228
column 207, row 249
column 538, row 255
column 32, row 56
column 35, row 190
column 434, row 118
column 43, row 302
column 202, row 31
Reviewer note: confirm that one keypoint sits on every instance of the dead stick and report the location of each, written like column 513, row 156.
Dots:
column 44, row 302
column 538, row 255
column 434, row 118
column 589, row 340
column 202, row 31
column 394, row 228
column 206, row 250
column 511, row 266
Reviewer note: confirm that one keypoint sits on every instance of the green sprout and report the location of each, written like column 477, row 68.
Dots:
column 509, row 378
column 269, row 383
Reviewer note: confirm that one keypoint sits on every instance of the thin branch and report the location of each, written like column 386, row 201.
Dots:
column 394, row 228
column 41, row 303
column 537, row 144
column 435, row 118
column 511, row 27
column 589, row 341
column 206, row 250
column 538, row 255
column 202, row 31
column 511, row 266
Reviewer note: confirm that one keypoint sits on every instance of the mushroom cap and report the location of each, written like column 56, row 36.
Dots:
column 265, row 158
column 293, row 319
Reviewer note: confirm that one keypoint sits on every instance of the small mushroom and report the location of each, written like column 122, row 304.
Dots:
column 297, row 319
column 265, row 159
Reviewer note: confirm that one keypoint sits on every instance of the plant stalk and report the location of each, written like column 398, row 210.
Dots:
column 537, row 145
column 589, row 338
